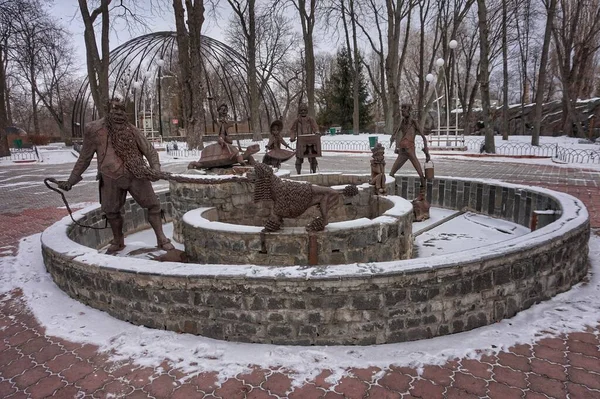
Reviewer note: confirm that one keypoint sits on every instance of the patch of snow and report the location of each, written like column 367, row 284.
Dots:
column 465, row 232
column 435, row 215
column 146, row 239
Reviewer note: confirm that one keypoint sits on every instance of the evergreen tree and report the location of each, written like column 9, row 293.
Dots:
column 337, row 104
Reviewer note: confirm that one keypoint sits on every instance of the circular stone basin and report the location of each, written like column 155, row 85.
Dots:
column 345, row 304
column 381, row 238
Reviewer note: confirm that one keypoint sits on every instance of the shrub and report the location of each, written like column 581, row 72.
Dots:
column 39, row 139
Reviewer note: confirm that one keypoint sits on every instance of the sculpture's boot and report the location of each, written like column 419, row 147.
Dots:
column 313, row 165
column 298, row 167
column 118, row 241
column 162, row 241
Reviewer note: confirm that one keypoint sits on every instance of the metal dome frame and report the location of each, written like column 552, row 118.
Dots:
column 138, row 66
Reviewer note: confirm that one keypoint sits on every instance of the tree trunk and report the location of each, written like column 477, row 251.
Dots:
column 97, row 67
column 4, row 149
column 252, row 82
column 504, row 71
column 539, row 93
column 484, row 75
column 391, row 62
column 34, row 108
column 190, row 65
column 356, row 77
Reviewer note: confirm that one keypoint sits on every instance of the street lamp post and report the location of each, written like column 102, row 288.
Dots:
column 440, row 62
column 453, row 44
column 160, row 63
column 136, row 85
column 431, row 79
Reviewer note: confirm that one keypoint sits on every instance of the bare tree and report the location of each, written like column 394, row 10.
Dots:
column 289, row 86
column 577, row 38
column 505, row 70
column 307, row 11
column 26, row 51
column 484, row 75
column 97, row 61
column 245, row 12
column 9, row 29
column 397, row 11
column 376, row 69
column 276, row 41
column 190, row 65
column 56, row 87
column 273, row 40
column 540, row 87
column 104, row 14
column 338, row 10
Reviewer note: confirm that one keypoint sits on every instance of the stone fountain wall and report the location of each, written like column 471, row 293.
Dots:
column 343, row 304
column 234, row 201
column 384, row 238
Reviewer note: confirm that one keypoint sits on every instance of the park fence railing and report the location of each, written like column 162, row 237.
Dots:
column 570, row 155
column 23, row 154
column 555, row 151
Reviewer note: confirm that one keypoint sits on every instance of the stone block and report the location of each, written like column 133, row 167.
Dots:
column 280, row 331
column 366, row 302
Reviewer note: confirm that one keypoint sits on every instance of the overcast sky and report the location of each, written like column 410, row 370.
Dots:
column 67, row 11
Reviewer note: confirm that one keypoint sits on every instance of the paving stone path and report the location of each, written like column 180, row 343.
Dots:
column 36, row 365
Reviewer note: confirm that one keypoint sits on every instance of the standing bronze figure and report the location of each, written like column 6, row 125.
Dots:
column 121, row 148
column 404, row 136
column 275, row 154
column 306, row 130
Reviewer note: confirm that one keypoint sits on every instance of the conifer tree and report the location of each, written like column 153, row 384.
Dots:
column 337, row 98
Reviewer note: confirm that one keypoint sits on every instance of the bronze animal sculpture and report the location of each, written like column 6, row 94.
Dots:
column 291, row 198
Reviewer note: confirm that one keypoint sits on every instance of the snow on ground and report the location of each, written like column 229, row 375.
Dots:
column 143, row 243
column 71, row 320
column 466, row 231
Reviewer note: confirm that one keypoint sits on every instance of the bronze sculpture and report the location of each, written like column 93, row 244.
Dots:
column 404, row 136
column 291, row 198
column 223, row 153
column 378, row 169
column 306, row 131
column 121, row 148
column 275, row 154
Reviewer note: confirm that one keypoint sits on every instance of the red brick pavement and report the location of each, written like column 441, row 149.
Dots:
column 35, row 365
column 15, row 226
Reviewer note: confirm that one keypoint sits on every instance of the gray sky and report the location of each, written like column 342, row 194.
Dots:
column 67, row 11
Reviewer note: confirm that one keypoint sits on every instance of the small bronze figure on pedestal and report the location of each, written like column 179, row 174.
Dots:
column 378, row 169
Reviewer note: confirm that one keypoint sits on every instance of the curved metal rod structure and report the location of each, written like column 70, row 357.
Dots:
column 136, row 75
